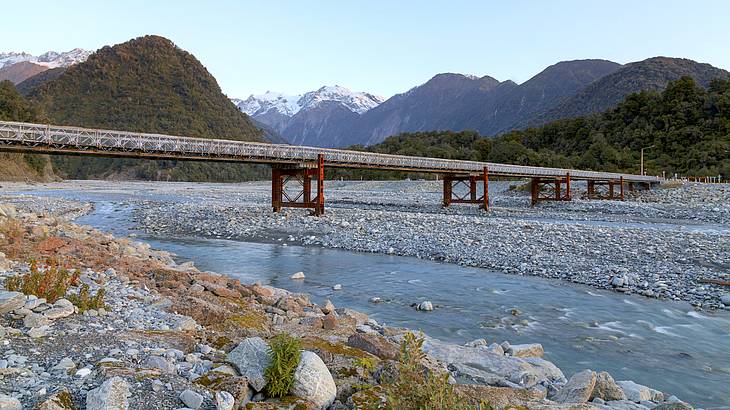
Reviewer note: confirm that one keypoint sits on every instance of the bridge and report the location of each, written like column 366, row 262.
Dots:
column 304, row 164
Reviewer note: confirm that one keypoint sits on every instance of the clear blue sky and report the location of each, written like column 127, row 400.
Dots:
column 383, row 47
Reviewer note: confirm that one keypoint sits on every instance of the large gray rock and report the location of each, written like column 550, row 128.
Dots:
column 634, row 391
column 113, row 394
column 487, row 367
column 673, row 406
column 251, row 358
column 606, row 388
column 578, row 389
column 10, row 301
column 159, row 362
column 313, row 381
column 623, row 405
column 191, row 399
column 224, row 401
column 9, row 403
column 725, row 299
column 62, row 308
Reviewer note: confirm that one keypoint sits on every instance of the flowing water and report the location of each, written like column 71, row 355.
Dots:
column 662, row 344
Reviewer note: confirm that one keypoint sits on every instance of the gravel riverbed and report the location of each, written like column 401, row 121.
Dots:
column 660, row 243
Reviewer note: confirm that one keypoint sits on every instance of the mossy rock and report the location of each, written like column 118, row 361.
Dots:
column 61, row 400
column 367, row 399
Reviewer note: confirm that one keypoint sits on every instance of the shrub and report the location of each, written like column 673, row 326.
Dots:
column 50, row 282
column 84, row 301
column 284, row 352
column 417, row 388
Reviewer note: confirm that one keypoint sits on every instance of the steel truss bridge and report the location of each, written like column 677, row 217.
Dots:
column 300, row 163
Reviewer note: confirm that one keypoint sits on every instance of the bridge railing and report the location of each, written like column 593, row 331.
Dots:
column 58, row 139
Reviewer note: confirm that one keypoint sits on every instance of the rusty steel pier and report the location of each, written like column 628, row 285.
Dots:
column 305, row 165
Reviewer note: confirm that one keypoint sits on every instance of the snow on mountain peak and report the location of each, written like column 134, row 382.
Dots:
column 291, row 104
column 50, row 59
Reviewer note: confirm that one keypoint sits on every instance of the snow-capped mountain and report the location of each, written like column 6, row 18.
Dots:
column 50, row 59
column 289, row 105
column 315, row 118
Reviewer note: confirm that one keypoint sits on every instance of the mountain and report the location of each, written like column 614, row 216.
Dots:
column 50, row 59
column 29, row 84
column 19, row 72
column 147, row 85
column 652, row 74
column 17, row 67
column 316, row 118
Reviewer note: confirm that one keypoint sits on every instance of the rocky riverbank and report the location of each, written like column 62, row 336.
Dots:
column 664, row 243
column 170, row 336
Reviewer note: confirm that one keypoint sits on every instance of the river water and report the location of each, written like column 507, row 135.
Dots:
column 663, row 344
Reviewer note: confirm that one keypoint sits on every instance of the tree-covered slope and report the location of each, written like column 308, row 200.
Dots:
column 687, row 126
column 146, row 85
column 14, row 166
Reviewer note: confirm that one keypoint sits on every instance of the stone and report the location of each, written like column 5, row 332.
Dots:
column 496, row 349
column 634, row 392
column 313, row 381
column 66, row 365
column 251, row 358
column 298, row 275
column 725, row 299
column 375, row 299
column 62, row 308
column 191, row 399
column 38, row 332
column 328, row 307
column 426, row 305
column 224, row 401
column 35, row 320
column 159, row 362
column 359, row 317
column 9, row 403
column 374, row 344
column 526, row 350
column 337, row 287
column 113, row 394
column 10, row 301
column 623, row 405
column 329, row 322
column 61, row 400
column 578, row 389
column 606, row 388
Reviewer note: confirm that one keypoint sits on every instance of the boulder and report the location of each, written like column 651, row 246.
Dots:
column 224, row 401
column 360, row 318
column 113, row 394
column 10, row 301
column 191, row 399
column 9, row 403
column 526, row 350
column 328, row 307
column 159, row 362
column 251, row 358
column 484, row 366
column 578, row 389
column 35, row 320
column 634, row 391
column 606, row 388
column 374, row 344
column 62, row 308
column 60, row 400
column 725, row 299
column 426, row 306
column 313, row 381
column 680, row 405
column 298, row 275
column 623, row 405
column 500, row 397
column 329, row 322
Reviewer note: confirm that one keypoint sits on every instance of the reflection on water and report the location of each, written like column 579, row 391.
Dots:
column 662, row 344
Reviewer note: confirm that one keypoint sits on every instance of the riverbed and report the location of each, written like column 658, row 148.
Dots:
column 665, row 344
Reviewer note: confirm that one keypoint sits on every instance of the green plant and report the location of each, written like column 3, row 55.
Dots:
column 417, row 388
column 84, row 301
column 51, row 282
column 284, row 352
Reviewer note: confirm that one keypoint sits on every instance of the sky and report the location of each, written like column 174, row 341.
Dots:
column 382, row 47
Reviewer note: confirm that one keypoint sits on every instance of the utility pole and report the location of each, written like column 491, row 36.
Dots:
column 642, row 159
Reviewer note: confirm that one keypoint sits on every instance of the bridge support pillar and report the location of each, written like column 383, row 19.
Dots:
column 610, row 190
column 281, row 176
column 550, row 189
column 471, row 183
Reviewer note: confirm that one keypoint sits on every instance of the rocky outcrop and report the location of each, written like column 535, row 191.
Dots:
column 606, row 388
column 578, row 389
column 251, row 358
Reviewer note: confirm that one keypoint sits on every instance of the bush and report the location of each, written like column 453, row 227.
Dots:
column 84, row 301
column 417, row 388
column 284, row 352
column 50, row 283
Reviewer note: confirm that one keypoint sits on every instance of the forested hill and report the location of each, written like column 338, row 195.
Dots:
column 687, row 126
column 147, row 85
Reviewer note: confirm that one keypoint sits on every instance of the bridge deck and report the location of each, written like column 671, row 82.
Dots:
column 38, row 138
